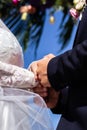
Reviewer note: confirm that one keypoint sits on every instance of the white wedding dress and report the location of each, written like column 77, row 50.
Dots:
column 19, row 109
column 11, row 56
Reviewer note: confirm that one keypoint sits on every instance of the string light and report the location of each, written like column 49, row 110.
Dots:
column 52, row 19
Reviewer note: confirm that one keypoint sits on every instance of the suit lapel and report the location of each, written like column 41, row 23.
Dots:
column 81, row 34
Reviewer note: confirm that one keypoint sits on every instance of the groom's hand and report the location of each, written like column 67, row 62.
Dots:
column 39, row 68
column 50, row 96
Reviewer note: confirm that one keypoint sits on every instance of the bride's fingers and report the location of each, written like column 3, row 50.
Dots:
column 33, row 68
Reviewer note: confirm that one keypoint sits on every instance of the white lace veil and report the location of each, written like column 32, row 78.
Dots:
column 10, row 49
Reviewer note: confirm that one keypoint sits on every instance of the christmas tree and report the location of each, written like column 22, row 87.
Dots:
column 32, row 25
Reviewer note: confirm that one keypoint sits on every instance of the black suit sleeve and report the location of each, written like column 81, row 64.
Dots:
column 61, row 106
column 68, row 68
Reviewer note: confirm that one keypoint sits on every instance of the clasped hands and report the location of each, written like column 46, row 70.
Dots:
column 44, row 88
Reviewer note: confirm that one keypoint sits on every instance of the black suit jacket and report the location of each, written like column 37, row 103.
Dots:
column 68, row 73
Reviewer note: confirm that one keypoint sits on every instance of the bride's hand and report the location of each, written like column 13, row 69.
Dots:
column 49, row 95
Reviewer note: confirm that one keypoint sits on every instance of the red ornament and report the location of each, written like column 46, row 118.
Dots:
column 15, row 2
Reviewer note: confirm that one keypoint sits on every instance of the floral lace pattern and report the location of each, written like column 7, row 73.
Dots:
column 17, row 77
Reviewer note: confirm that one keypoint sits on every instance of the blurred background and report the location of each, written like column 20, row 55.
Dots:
column 47, row 28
